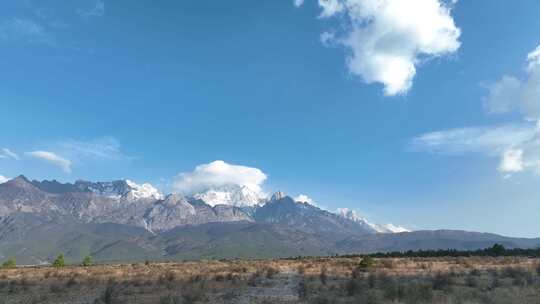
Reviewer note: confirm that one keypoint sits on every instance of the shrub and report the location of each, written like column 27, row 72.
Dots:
column 170, row 299
column 11, row 263
column 192, row 295
column 471, row 281
column 87, row 261
column 59, row 261
column 538, row 269
column 109, row 294
column 354, row 287
column 323, row 276
column 271, row 272
column 366, row 263
column 71, row 282
column 442, row 281
column 302, row 290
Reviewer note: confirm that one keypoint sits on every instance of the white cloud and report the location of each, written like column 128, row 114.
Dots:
column 52, row 158
column 516, row 145
column 96, row 10
column 218, row 174
column 298, row 3
column 492, row 140
column 3, row 179
column 24, row 29
column 7, row 153
column 387, row 39
column 515, row 94
column 512, row 161
column 100, row 148
column 302, row 198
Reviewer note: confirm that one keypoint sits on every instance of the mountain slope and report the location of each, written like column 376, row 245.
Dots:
column 123, row 221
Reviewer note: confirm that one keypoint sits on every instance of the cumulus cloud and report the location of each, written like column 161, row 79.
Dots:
column 3, row 179
column 521, row 94
column 218, row 174
column 53, row 159
column 387, row 39
column 7, row 153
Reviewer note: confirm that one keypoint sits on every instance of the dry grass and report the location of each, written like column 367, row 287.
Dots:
column 313, row 280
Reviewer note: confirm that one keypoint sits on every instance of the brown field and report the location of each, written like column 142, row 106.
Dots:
column 309, row 280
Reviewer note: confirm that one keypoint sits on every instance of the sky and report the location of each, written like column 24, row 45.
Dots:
column 420, row 113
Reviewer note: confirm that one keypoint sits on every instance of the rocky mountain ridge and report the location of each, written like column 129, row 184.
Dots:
column 123, row 221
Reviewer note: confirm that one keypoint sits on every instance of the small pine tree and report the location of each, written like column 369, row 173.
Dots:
column 11, row 263
column 59, row 261
column 87, row 261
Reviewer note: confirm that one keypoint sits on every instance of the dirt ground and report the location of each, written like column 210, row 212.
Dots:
column 308, row 280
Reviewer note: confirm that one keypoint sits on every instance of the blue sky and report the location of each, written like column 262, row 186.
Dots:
column 102, row 90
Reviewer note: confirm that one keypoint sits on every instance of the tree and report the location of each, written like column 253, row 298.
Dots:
column 87, row 261
column 11, row 263
column 497, row 250
column 59, row 261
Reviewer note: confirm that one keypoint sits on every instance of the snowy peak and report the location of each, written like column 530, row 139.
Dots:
column 390, row 228
column 354, row 216
column 278, row 196
column 144, row 191
column 239, row 196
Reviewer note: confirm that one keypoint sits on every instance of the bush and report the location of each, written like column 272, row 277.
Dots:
column 366, row 263
column 538, row 269
column 87, row 261
column 109, row 294
column 442, row 281
column 170, row 299
column 271, row 272
column 11, row 263
column 302, row 290
column 323, row 276
column 59, row 261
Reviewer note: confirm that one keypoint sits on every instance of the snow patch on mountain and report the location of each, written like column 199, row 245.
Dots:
column 234, row 195
column 3, row 179
column 144, row 191
column 355, row 216
column 395, row 229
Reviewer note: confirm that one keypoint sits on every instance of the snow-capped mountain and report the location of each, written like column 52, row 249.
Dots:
column 354, row 216
column 233, row 195
column 144, row 191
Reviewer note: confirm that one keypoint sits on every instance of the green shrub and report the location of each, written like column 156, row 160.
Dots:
column 59, row 261
column 538, row 269
column 366, row 263
column 11, row 263
column 87, row 261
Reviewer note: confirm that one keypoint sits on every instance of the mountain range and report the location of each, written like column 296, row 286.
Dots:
column 125, row 221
